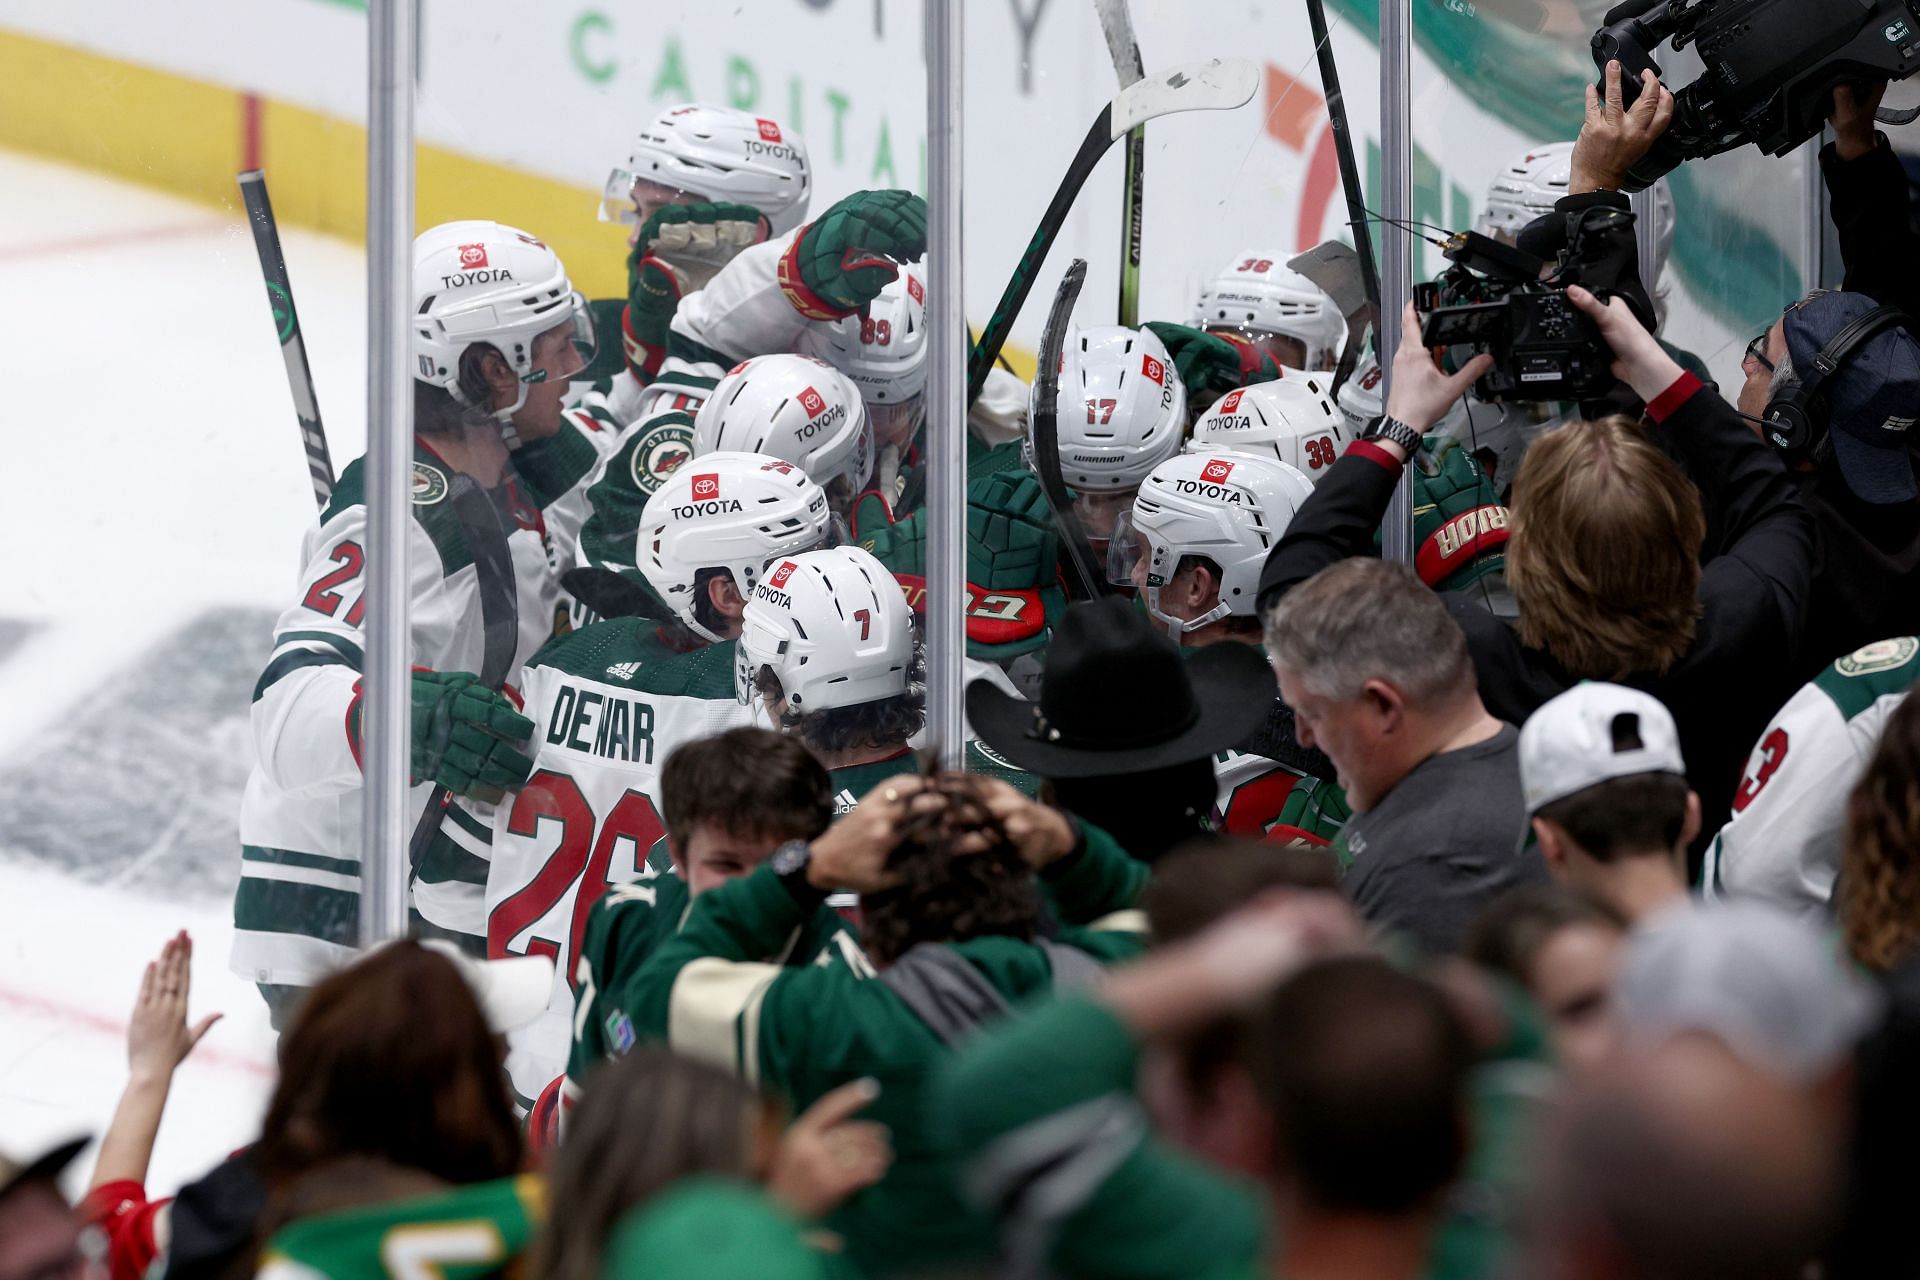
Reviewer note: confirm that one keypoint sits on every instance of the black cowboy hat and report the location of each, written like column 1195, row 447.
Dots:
column 1116, row 697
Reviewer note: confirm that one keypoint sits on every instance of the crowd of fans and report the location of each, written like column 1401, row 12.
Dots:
column 1549, row 907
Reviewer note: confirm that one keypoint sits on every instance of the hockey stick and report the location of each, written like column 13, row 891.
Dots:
column 1350, row 186
column 486, row 537
column 1116, row 24
column 286, row 324
column 1220, row 84
column 1046, row 433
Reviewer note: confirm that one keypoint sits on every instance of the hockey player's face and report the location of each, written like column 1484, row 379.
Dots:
column 650, row 198
column 712, row 857
column 1099, row 511
column 555, row 355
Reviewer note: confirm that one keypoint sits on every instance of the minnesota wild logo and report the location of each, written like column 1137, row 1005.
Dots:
column 429, row 485
column 282, row 310
column 659, row 453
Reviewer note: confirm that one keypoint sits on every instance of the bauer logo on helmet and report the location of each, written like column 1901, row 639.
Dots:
column 706, row 487
column 1152, row 368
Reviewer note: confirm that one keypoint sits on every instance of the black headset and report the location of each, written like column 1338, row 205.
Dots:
column 1796, row 420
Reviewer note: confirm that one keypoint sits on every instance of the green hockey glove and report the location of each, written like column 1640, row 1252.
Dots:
column 681, row 248
column 465, row 735
column 1459, row 526
column 843, row 259
column 1209, row 365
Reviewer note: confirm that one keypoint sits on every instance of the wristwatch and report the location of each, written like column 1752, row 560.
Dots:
column 790, row 862
column 1395, row 430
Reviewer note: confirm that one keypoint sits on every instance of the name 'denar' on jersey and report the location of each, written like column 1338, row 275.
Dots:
column 605, row 725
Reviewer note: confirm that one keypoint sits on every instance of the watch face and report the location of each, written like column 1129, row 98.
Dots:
column 790, row 857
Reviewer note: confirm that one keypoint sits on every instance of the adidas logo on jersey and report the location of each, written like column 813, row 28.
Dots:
column 844, row 802
column 623, row 670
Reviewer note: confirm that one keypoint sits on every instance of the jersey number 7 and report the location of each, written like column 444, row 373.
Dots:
column 579, row 862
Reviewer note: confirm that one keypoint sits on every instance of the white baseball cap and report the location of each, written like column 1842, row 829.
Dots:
column 512, row 992
column 1594, row 733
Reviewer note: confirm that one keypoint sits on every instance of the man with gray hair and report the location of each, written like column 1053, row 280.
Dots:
column 1378, row 676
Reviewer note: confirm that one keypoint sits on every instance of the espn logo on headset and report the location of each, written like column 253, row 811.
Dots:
column 778, row 578
column 473, row 256
column 769, row 131
column 1231, row 404
column 706, row 487
column 813, row 402
column 1216, row 472
column 1153, row 369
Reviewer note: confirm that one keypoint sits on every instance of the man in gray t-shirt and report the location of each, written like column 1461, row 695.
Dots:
column 1378, row 676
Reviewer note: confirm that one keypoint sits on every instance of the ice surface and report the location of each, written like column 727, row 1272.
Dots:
column 157, row 503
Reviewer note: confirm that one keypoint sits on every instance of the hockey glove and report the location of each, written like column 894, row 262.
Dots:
column 843, row 259
column 465, row 735
column 1459, row 526
column 681, row 248
column 1210, row 365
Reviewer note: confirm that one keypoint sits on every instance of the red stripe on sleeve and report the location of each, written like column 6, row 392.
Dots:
column 1668, row 402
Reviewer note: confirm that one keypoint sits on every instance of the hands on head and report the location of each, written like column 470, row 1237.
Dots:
column 854, row 852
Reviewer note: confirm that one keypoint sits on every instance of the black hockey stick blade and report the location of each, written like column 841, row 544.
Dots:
column 1219, row 84
column 286, row 325
column 1046, row 434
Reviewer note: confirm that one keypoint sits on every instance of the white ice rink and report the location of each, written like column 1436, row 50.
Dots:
column 158, row 496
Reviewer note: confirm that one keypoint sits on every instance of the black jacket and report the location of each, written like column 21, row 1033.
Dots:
column 1870, row 210
column 1866, row 583
column 1740, row 669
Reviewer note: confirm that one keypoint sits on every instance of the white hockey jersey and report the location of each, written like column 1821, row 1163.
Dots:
column 297, row 903
column 609, row 705
column 1784, row 841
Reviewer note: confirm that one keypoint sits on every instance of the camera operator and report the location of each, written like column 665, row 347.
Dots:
column 1847, row 446
column 1868, row 189
column 1604, row 547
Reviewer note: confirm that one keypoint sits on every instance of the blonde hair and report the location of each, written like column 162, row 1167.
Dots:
column 1604, row 551
column 1880, row 869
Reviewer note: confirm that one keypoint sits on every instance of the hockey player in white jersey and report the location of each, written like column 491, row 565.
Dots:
column 699, row 184
column 1122, row 410
column 1789, row 825
column 610, row 702
column 498, row 493
column 1193, row 546
column 1290, row 420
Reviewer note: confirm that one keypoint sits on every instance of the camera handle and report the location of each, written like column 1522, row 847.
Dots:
column 1630, row 40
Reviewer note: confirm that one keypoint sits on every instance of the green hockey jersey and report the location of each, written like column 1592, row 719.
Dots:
column 474, row 1232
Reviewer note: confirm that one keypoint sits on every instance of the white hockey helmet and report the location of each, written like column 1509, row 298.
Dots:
column 1122, row 409
column 1362, row 397
column 483, row 282
column 716, row 153
column 883, row 353
column 728, row 511
column 1525, row 189
column 1229, row 507
column 1257, row 294
column 1290, row 420
column 793, row 407
column 835, row 628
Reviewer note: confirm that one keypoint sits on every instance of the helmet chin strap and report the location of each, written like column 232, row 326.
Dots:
column 1177, row 627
